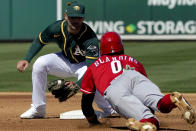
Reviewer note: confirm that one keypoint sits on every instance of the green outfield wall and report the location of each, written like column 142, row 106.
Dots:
column 133, row 19
column 23, row 19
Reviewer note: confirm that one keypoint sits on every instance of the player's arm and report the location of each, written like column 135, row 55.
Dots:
column 88, row 89
column 87, row 108
column 35, row 47
column 42, row 39
column 38, row 43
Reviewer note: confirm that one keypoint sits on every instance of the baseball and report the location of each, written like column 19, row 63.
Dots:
column 187, row 115
column 59, row 82
column 147, row 127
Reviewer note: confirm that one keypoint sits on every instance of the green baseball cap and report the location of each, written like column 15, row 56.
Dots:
column 74, row 9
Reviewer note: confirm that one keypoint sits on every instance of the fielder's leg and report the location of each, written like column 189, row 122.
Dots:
column 53, row 64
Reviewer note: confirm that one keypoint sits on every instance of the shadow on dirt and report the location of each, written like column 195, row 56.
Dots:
column 160, row 129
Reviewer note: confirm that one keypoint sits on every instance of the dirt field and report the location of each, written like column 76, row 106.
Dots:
column 13, row 104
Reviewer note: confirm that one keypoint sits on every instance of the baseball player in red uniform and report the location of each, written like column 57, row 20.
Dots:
column 123, row 82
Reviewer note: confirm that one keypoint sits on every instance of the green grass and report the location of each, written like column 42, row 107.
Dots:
column 170, row 65
column 10, row 79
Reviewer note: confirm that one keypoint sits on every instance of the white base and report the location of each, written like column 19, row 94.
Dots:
column 78, row 114
column 75, row 114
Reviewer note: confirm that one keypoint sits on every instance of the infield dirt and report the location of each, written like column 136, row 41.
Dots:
column 13, row 104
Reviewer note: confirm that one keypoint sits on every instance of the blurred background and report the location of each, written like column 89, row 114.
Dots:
column 159, row 33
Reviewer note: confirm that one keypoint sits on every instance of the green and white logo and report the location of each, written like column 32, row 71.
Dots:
column 101, row 27
column 131, row 28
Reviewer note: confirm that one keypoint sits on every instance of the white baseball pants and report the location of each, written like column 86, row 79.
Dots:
column 56, row 64
column 132, row 95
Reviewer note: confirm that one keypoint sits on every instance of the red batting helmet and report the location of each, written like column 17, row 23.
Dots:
column 111, row 43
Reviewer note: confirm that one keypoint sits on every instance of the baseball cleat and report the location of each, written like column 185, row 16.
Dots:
column 33, row 113
column 187, row 111
column 140, row 126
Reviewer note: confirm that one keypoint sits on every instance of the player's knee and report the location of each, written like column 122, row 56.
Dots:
column 113, row 98
column 81, row 71
column 40, row 65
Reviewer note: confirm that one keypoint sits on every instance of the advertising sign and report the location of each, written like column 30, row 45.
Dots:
column 148, row 19
column 143, row 19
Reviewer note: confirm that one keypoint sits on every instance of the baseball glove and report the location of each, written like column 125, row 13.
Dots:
column 62, row 90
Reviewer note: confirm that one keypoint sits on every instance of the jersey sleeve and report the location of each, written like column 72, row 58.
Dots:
column 44, row 37
column 91, row 50
column 87, row 85
column 35, row 47
column 50, row 33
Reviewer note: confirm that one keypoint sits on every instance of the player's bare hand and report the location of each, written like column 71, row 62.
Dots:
column 22, row 65
column 93, row 121
column 69, row 84
column 97, row 124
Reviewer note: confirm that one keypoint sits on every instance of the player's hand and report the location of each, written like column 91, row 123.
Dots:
column 62, row 89
column 93, row 121
column 22, row 65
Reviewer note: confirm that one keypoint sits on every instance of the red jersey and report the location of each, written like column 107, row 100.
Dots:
column 105, row 69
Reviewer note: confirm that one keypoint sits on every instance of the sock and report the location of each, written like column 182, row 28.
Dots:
column 165, row 105
column 152, row 120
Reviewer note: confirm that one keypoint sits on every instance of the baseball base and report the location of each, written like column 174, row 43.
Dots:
column 77, row 114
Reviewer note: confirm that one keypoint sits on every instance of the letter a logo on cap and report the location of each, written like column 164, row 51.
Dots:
column 76, row 8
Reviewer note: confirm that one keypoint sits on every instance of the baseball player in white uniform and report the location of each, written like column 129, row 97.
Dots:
column 79, row 48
